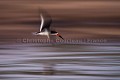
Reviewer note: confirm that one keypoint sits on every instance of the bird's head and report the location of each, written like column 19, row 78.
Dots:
column 59, row 36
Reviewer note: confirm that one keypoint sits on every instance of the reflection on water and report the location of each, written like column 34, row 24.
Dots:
column 28, row 62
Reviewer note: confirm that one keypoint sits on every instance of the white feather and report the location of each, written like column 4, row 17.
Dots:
column 42, row 22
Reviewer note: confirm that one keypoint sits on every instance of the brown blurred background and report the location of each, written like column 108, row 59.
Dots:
column 74, row 19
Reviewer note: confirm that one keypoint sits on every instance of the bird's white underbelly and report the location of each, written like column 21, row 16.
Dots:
column 44, row 33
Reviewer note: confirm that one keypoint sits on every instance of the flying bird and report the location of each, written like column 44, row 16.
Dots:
column 45, row 27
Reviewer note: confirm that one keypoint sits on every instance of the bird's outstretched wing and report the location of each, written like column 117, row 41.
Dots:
column 45, row 21
column 42, row 22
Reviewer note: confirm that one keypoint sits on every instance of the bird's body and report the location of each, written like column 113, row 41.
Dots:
column 45, row 28
column 46, row 33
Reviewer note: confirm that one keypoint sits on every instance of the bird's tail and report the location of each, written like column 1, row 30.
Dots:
column 34, row 33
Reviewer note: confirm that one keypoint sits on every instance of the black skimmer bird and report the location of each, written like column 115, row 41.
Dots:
column 45, row 28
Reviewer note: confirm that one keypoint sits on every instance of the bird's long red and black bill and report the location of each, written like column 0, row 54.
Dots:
column 60, row 36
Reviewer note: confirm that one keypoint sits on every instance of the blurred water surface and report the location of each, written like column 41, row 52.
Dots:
column 53, row 62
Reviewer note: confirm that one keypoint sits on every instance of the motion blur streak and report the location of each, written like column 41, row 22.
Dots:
column 88, row 21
